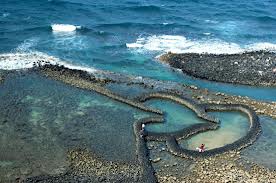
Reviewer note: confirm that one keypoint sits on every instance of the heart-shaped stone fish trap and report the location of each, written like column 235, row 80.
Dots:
column 171, row 138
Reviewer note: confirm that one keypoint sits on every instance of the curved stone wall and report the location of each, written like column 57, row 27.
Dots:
column 181, row 100
column 211, row 124
column 171, row 138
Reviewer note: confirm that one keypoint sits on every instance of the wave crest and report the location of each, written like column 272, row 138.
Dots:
column 180, row 44
column 18, row 61
column 64, row 27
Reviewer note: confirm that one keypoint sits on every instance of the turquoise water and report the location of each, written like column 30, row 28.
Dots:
column 234, row 125
column 176, row 116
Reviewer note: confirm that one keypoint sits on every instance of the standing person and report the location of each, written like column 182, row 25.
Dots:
column 201, row 148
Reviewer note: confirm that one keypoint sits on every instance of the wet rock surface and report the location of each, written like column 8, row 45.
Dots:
column 249, row 68
column 227, row 167
column 87, row 167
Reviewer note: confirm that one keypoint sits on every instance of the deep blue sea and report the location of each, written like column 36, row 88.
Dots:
column 126, row 36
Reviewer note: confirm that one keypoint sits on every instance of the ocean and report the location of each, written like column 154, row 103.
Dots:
column 127, row 36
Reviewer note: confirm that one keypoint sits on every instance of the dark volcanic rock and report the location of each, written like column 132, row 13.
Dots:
column 249, row 68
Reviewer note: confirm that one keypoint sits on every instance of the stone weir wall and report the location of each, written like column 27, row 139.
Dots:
column 65, row 75
column 249, row 68
column 203, row 95
column 87, row 81
column 91, row 83
column 188, row 102
column 200, row 110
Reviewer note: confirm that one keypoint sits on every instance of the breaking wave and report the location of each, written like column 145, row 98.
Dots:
column 18, row 61
column 27, row 45
column 64, row 27
column 180, row 44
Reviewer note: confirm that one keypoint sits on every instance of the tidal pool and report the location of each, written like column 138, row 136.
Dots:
column 176, row 116
column 41, row 119
column 234, row 125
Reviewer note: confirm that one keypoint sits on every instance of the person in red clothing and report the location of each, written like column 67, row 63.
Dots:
column 201, row 148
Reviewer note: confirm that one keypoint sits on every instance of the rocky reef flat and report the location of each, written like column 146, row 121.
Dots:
column 228, row 167
column 249, row 68
column 224, row 167
column 152, row 166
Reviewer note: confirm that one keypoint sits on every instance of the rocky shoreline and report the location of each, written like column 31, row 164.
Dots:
column 249, row 68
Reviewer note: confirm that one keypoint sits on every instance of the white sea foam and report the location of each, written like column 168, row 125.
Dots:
column 179, row 44
column 211, row 21
column 27, row 45
column 64, row 28
column 207, row 33
column 70, row 42
column 263, row 46
column 17, row 61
